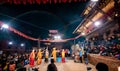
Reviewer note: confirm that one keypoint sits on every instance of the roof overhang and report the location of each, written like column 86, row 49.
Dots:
column 92, row 14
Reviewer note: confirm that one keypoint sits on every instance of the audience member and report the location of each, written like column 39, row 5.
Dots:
column 102, row 67
column 52, row 66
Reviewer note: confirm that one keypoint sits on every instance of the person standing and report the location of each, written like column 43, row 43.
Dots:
column 39, row 57
column 32, row 57
column 52, row 66
column 63, row 56
column 46, row 55
column 80, row 54
column 86, row 57
column 54, row 54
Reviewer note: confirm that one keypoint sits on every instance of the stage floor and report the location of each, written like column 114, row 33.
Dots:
column 70, row 65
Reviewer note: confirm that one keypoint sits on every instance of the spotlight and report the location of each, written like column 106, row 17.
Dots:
column 97, row 23
column 22, row 44
column 57, row 37
column 5, row 26
column 83, row 33
column 10, row 43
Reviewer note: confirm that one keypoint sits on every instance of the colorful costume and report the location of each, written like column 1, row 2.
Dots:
column 39, row 57
column 32, row 56
column 54, row 54
column 63, row 56
column 46, row 55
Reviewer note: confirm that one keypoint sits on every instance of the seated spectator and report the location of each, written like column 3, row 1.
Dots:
column 26, row 62
column 20, row 64
column 117, row 56
column 85, row 57
column 11, row 66
column 52, row 66
column 6, row 66
column 102, row 67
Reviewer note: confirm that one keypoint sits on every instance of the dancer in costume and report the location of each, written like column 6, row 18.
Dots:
column 46, row 55
column 63, row 56
column 32, row 57
column 39, row 57
column 54, row 54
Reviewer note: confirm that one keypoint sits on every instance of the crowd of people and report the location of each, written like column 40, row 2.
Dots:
column 10, row 62
column 109, row 47
column 113, row 51
column 16, row 61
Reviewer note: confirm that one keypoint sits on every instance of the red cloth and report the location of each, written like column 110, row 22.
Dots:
column 63, row 60
column 31, row 62
column 32, row 56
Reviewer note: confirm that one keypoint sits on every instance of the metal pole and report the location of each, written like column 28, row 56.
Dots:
column 39, row 43
column 74, row 42
column 74, row 45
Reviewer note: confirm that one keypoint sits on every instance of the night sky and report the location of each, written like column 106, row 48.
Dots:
column 35, row 20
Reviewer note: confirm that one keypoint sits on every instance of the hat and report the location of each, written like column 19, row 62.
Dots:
column 54, row 48
column 39, row 49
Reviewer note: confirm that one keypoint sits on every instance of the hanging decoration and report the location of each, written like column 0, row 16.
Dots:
column 24, row 2
column 36, row 39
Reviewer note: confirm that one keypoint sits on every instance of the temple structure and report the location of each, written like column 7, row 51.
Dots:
column 101, row 19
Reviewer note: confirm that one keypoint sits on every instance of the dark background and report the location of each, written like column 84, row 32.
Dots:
column 36, row 20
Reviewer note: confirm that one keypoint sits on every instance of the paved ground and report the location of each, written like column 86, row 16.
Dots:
column 70, row 65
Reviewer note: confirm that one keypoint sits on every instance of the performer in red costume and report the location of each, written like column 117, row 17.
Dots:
column 63, row 56
column 32, row 57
